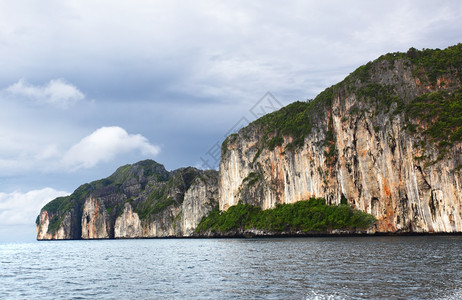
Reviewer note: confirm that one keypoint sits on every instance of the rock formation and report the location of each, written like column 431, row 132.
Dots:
column 387, row 140
column 139, row 200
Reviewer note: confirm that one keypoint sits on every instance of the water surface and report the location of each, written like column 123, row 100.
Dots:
column 291, row 268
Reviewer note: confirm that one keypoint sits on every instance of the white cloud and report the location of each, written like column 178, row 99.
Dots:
column 105, row 144
column 48, row 152
column 56, row 92
column 56, row 154
column 226, row 52
column 18, row 208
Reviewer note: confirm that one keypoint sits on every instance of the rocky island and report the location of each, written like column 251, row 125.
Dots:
column 379, row 152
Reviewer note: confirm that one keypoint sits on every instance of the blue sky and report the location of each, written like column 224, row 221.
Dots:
column 87, row 86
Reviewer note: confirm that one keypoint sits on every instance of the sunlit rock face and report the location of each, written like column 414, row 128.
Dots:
column 199, row 199
column 128, row 225
column 62, row 233
column 94, row 220
column 386, row 140
column 357, row 149
column 142, row 200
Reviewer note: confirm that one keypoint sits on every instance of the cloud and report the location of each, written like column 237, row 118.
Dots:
column 196, row 68
column 56, row 92
column 26, row 153
column 105, row 144
column 235, row 51
column 18, row 208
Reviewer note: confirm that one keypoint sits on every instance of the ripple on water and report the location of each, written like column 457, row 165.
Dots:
column 304, row 268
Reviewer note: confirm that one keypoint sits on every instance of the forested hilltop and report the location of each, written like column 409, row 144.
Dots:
column 380, row 151
column 139, row 200
column 387, row 139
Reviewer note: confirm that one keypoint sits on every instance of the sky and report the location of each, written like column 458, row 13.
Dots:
column 88, row 86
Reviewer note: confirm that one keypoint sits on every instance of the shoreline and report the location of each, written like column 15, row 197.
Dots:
column 277, row 236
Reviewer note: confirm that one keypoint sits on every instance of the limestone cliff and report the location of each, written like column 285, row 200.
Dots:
column 128, row 224
column 199, row 200
column 63, row 232
column 387, row 139
column 95, row 219
column 139, row 200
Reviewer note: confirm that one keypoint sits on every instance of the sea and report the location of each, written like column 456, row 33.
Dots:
column 374, row 267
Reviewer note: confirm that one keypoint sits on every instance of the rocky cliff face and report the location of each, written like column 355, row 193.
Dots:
column 95, row 219
column 140, row 200
column 378, row 139
column 199, row 200
column 63, row 232
column 128, row 224
column 387, row 140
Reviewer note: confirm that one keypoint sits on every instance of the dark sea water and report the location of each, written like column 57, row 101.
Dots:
column 291, row 268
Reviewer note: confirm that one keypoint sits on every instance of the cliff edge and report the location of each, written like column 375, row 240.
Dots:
column 388, row 139
column 139, row 200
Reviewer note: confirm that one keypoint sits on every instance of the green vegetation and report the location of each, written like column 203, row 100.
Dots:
column 298, row 119
column 158, row 189
column 60, row 204
column 150, row 169
column 378, row 95
column 276, row 141
column 329, row 142
column 441, row 113
column 55, row 223
column 362, row 73
column 153, row 170
column 435, row 63
column 252, row 178
column 429, row 64
column 161, row 195
column 224, row 146
column 307, row 216
column 147, row 168
column 156, row 202
column 295, row 120
column 120, row 175
column 292, row 120
column 435, row 117
column 59, row 207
